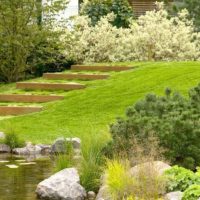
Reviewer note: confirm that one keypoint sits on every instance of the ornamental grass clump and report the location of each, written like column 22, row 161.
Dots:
column 92, row 162
column 118, row 180
column 138, row 177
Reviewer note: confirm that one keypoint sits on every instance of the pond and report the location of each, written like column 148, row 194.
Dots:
column 20, row 183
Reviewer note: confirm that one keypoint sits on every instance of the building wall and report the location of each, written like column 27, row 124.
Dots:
column 141, row 6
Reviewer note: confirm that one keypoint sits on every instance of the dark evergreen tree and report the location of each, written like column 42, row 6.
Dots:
column 174, row 119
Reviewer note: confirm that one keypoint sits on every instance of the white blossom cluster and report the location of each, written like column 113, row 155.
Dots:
column 154, row 36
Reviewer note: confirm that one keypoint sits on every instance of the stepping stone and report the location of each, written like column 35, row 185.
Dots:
column 12, row 166
column 20, row 161
column 28, row 98
column 28, row 163
column 56, row 76
column 100, row 68
column 49, row 86
column 4, row 161
column 18, row 110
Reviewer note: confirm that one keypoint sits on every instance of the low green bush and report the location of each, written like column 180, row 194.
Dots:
column 192, row 193
column 172, row 118
column 12, row 139
column 96, row 9
column 180, row 179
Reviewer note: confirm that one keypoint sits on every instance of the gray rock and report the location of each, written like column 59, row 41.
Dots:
column 45, row 149
column 28, row 150
column 4, row 148
column 103, row 194
column 64, row 185
column 60, row 144
column 159, row 166
column 91, row 195
column 2, row 135
column 76, row 142
column 174, row 196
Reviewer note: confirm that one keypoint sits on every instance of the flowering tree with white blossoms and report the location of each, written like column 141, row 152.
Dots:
column 154, row 36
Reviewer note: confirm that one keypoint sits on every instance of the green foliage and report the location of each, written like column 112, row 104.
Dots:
column 192, row 193
column 179, row 178
column 21, row 32
column 12, row 139
column 172, row 118
column 96, row 9
column 118, row 179
column 92, row 163
column 63, row 161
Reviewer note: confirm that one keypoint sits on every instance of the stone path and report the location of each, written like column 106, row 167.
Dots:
column 78, row 72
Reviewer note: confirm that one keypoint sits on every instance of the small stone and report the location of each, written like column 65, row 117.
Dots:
column 29, row 163
column 91, row 195
column 174, row 196
column 12, row 166
column 76, row 142
column 4, row 161
column 4, row 148
column 103, row 193
column 45, row 149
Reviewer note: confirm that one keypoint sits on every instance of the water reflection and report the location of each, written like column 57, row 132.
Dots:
column 20, row 183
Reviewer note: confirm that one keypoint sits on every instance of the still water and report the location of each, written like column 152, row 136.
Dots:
column 20, row 183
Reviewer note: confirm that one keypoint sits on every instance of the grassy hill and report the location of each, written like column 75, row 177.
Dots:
column 90, row 111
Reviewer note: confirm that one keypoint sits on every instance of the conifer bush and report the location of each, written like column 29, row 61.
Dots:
column 173, row 118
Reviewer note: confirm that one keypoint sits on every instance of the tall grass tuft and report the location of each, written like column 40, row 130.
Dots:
column 12, row 139
column 92, row 164
column 118, row 179
column 66, row 160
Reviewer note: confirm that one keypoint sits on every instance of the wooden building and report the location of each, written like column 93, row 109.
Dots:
column 141, row 6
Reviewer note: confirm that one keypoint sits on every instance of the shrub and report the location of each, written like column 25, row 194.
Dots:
column 154, row 36
column 179, row 178
column 172, row 118
column 192, row 193
column 96, row 9
column 12, row 139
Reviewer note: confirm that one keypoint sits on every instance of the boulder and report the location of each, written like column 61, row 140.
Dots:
column 60, row 144
column 64, row 185
column 2, row 135
column 174, row 196
column 159, row 166
column 4, row 148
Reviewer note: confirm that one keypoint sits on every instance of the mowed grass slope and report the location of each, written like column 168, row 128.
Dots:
column 88, row 112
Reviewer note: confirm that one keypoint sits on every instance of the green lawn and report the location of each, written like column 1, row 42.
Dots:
column 90, row 111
